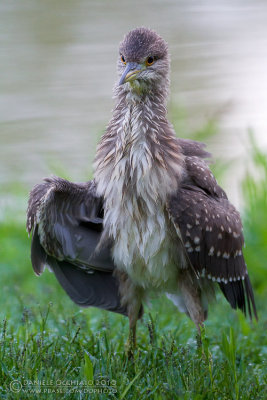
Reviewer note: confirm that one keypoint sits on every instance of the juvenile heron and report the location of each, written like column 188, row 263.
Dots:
column 153, row 219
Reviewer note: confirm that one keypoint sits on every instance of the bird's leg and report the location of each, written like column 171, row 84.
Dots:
column 135, row 311
column 131, row 342
column 132, row 335
column 131, row 297
column 192, row 299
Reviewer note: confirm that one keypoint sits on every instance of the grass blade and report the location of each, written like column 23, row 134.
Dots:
column 129, row 386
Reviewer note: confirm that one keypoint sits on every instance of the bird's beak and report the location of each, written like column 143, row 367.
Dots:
column 130, row 73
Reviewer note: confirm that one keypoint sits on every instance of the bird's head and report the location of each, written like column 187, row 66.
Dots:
column 143, row 60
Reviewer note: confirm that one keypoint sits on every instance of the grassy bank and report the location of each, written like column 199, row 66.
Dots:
column 47, row 341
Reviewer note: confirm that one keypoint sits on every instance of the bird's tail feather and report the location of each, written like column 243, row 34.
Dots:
column 240, row 295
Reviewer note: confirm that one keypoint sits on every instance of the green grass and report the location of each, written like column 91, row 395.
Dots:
column 45, row 337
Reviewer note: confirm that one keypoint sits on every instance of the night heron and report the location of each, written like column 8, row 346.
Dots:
column 153, row 219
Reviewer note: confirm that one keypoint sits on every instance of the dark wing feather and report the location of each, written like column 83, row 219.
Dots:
column 68, row 220
column 66, row 224
column 211, row 230
column 99, row 289
column 38, row 254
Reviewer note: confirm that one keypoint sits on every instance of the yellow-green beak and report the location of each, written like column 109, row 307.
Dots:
column 130, row 73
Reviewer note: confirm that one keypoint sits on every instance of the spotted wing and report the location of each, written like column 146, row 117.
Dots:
column 211, row 230
column 66, row 224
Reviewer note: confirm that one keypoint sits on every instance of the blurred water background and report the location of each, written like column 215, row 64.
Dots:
column 58, row 68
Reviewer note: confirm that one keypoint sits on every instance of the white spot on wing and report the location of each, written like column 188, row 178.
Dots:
column 211, row 252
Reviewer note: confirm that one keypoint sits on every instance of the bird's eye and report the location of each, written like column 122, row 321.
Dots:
column 123, row 59
column 150, row 61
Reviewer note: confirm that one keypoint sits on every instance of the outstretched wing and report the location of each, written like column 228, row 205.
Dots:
column 66, row 224
column 211, row 230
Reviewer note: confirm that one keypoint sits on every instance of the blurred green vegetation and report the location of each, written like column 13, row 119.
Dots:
column 255, row 218
column 43, row 335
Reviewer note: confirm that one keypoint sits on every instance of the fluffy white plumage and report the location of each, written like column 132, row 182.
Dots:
column 145, row 244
